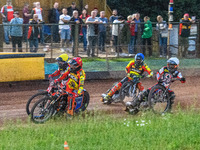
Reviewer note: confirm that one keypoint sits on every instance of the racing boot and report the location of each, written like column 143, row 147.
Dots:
column 108, row 98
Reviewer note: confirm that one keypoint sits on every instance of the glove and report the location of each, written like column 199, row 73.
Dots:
column 56, row 81
column 182, row 80
column 150, row 75
column 80, row 91
column 160, row 81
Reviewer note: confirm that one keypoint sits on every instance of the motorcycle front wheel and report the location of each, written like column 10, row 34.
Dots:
column 158, row 99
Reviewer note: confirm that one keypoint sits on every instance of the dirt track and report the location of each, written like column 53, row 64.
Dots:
column 13, row 97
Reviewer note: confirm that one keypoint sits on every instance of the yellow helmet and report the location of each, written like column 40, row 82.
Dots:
column 63, row 61
column 63, row 57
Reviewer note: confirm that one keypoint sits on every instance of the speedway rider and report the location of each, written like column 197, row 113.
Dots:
column 63, row 65
column 135, row 67
column 164, row 76
column 75, row 82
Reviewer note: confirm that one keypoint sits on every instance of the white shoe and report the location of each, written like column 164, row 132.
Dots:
column 62, row 50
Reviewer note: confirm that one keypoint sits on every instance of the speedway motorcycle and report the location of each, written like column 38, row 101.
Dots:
column 56, row 102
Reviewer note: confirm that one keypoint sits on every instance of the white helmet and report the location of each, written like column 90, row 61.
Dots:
column 172, row 64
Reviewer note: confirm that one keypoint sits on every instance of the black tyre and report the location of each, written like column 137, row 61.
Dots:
column 86, row 101
column 42, row 110
column 158, row 99
column 33, row 100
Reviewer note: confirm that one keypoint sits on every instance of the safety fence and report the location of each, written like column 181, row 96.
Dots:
column 104, row 40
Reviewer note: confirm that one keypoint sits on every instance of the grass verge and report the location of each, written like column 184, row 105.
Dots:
column 178, row 131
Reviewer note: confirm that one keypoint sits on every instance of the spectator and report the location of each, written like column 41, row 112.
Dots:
column 147, row 34
column 184, row 34
column 115, row 30
column 7, row 14
column 138, row 30
column 16, row 31
column 102, row 31
column 64, row 30
column 54, row 19
column 84, row 17
column 71, row 9
column 75, row 20
column 92, row 32
column 132, row 39
column 162, row 28
column 26, row 17
column 39, row 11
column 96, row 9
column 33, row 33
column 86, row 7
column 114, row 16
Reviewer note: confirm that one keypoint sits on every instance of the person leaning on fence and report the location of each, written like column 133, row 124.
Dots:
column 146, row 36
column 26, row 17
column 139, row 27
column 102, row 31
column 34, row 33
column 16, row 31
column 184, row 32
column 39, row 11
column 92, row 33
column 73, row 21
column 116, row 27
column 53, row 17
column 162, row 28
column 7, row 14
column 65, row 32
column 132, row 38
column 84, row 17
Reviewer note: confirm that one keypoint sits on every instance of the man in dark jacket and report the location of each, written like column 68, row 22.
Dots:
column 54, row 19
column 184, row 33
column 71, row 9
column 75, row 20
column 34, row 33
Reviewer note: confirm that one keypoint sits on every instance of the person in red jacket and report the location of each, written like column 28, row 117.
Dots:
column 75, row 82
column 132, row 40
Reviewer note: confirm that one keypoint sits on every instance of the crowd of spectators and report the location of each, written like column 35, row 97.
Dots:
column 92, row 27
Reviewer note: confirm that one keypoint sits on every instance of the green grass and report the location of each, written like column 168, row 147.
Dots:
column 178, row 131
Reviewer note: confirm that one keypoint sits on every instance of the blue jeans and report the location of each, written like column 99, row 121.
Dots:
column 131, row 45
column 84, row 31
column 6, row 32
column 102, row 38
column 163, row 45
column 33, row 42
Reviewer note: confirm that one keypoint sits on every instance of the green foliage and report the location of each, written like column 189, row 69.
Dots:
column 153, row 8
column 100, row 131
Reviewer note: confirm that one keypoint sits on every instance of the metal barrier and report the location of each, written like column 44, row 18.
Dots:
column 105, row 44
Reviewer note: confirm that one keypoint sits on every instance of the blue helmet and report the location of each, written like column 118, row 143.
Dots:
column 139, row 56
column 139, row 59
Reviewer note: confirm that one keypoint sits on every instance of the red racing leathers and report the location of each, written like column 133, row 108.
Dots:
column 74, row 86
